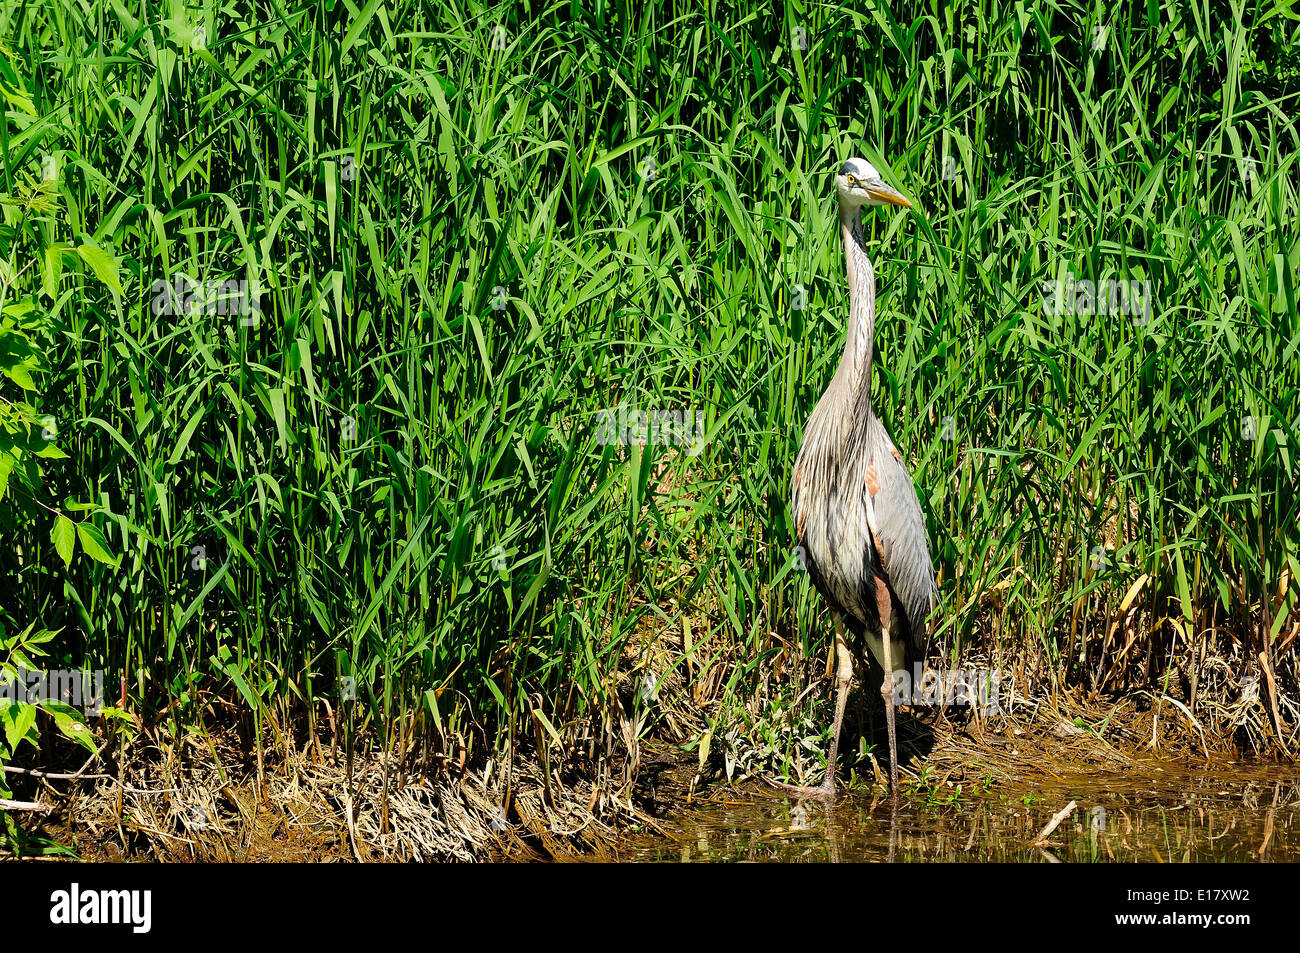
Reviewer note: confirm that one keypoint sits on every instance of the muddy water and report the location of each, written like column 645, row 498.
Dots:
column 1156, row 813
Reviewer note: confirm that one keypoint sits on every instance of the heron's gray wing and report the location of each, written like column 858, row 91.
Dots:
column 904, row 552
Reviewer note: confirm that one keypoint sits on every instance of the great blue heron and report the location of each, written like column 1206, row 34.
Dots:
column 855, row 510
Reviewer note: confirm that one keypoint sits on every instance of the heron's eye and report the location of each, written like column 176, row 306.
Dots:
column 852, row 180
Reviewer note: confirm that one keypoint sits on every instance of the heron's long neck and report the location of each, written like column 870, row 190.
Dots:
column 855, row 365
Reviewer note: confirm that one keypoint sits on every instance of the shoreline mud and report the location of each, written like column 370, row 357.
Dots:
column 204, row 799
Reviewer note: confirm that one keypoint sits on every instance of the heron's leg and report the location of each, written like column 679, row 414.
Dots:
column 871, row 724
column 884, row 605
column 887, row 692
column 843, row 678
column 893, row 828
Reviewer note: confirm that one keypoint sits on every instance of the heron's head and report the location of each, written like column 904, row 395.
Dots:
column 860, row 184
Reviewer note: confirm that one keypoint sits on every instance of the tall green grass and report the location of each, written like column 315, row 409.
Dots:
column 474, row 228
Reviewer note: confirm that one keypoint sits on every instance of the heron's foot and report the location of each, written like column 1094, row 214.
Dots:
column 824, row 790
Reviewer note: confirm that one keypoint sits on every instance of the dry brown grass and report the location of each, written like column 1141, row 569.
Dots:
column 200, row 801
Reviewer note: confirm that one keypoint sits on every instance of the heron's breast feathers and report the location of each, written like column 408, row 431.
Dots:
column 856, row 515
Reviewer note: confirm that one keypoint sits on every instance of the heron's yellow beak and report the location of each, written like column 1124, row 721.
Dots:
column 881, row 192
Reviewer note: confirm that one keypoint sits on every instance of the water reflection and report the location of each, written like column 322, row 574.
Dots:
column 1162, row 813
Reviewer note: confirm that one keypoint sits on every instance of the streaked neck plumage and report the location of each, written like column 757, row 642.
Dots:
column 855, row 365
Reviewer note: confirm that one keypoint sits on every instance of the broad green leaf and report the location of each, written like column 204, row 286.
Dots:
column 20, row 375
column 94, row 543
column 64, row 536
column 71, row 725
column 51, row 452
column 102, row 264
column 18, row 720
